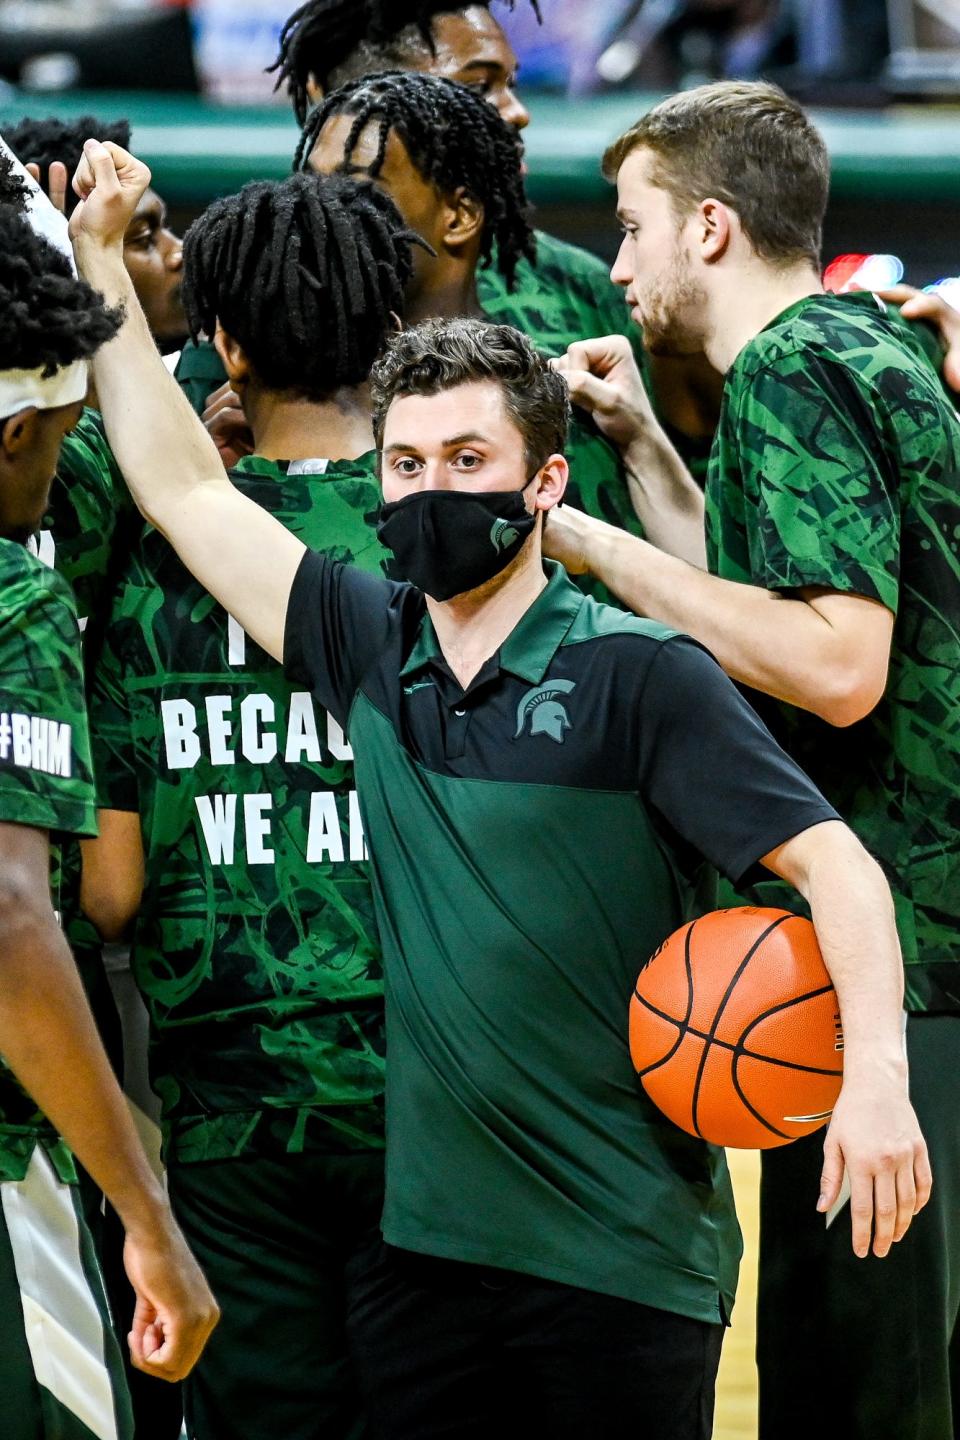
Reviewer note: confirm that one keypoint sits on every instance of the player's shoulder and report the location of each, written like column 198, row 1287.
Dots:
column 648, row 660
column 330, row 505
column 85, row 454
column 596, row 621
column 849, row 332
column 562, row 258
column 31, row 590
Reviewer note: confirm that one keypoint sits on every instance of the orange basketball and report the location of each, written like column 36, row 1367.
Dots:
column 735, row 1029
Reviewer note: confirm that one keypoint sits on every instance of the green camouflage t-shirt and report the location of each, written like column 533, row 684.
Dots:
column 255, row 948
column 567, row 296
column 837, row 464
column 91, row 521
column 46, row 779
column 90, row 527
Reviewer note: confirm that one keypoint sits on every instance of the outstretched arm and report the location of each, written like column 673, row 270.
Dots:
column 244, row 557
column 821, row 650
column 874, row 1132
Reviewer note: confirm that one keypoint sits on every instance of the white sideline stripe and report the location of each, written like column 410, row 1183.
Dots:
column 62, row 1323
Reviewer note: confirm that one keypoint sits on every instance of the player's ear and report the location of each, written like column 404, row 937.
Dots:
column 464, row 219
column 713, row 230
column 233, row 355
column 552, row 482
column 18, row 432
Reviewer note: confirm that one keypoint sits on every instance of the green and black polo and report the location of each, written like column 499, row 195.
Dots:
column 533, row 839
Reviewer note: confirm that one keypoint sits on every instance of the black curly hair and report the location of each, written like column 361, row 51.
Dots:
column 339, row 40
column 40, row 142
column 305, row 273
column 13, row 190
column 48, row 318
column 453, row 138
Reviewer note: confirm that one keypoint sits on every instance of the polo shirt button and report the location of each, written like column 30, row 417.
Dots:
column 461, row 713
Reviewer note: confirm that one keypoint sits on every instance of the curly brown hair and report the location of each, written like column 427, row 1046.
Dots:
column 439, row 355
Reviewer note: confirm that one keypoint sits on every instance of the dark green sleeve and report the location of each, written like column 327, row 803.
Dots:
column 110, row 732
column 91, row 515
column 820, row 489
column 46, row 777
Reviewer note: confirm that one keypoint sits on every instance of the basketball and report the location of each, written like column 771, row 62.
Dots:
column 735, row 1029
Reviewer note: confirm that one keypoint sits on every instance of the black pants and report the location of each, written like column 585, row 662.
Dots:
column 446, row 1349
column 865, row 1349
column 280, row 1240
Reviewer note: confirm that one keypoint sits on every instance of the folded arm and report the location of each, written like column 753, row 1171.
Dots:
column 874, row 1132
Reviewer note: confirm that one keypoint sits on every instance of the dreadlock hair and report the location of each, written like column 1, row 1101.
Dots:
column 340, row 40
column 453, row 138
column 13, row 190
column 306, row 274
column 41, row 142
column 48, row 318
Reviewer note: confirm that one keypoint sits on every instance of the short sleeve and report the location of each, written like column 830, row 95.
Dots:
column 46, row 776
column 339, row 619
column 821, row 498
column 111, row 736
column 92, row 520
column 710, row 767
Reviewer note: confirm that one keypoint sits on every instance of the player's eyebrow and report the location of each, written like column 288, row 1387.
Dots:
column 492, row 68
column 467, row 437
column 624, row 213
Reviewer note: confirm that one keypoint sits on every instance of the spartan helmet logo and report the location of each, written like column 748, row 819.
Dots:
column 502, row 535
column 548, row 715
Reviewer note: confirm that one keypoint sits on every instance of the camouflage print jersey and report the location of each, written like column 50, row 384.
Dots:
column 46, row 779
column 837, row 464
column 567, row 296
column 90, row 527
column 255, row 948
column 91, row 521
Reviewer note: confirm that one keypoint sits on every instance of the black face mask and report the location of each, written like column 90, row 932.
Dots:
column 449, row 541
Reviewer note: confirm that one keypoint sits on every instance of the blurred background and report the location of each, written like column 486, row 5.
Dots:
column 882, row 76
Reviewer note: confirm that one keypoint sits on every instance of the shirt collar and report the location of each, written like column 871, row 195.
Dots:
column 534, row 640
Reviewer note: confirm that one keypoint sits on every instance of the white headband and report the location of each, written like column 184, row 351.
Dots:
column 25, row 389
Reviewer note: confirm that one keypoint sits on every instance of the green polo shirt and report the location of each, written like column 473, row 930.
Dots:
column 533, row 839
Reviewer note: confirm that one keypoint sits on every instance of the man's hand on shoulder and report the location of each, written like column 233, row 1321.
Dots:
column 924, row 305
column 110, row 182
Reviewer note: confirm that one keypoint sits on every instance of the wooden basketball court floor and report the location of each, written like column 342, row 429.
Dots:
column 736, row 1414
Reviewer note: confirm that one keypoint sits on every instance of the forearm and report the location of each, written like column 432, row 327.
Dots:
column 852, row 911
column 49, row 1040
column 776, row 645
column 665, row 497
column 160, row 445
